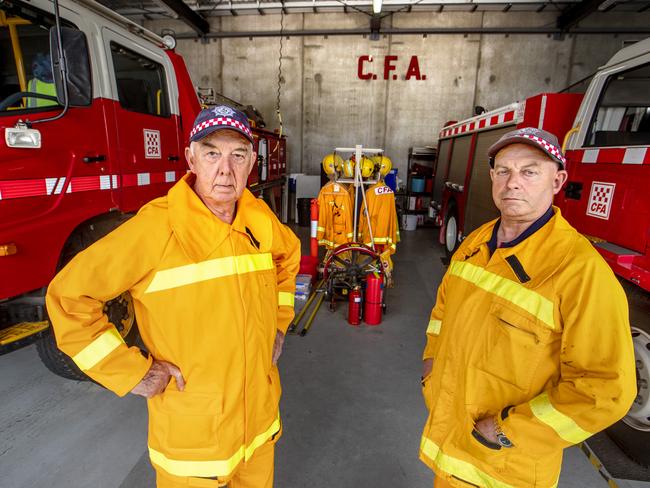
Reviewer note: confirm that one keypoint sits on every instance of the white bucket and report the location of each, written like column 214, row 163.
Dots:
column 410, row 222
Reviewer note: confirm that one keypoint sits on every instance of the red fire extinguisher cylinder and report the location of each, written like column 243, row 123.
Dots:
column 374, row 298
column 354, row 306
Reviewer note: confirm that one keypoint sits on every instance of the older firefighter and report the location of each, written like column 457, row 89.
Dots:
column 528, row 347
column 212, row 274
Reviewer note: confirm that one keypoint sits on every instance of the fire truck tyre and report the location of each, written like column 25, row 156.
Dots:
column 121, row 315
column 451, row 230
column 632, row 433
column 119, row 310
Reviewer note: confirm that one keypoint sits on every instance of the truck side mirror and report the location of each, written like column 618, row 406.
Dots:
column 77, row 70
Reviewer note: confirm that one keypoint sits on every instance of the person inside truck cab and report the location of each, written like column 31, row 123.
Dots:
column 212, row 272
column 42, row 81
column 528, row 345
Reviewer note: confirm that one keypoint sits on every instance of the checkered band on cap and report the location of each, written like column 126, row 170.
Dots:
column 221, row 121
column 551, row 149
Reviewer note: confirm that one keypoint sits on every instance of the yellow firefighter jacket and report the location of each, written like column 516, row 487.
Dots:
column 383, row 217
column 209, row 298
column 335, row 215
column 542, row 326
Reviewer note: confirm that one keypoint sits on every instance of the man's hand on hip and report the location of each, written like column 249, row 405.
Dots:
column 157, row 379
column 277, row 346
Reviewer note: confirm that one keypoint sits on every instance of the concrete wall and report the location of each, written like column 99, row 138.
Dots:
column 324, row 104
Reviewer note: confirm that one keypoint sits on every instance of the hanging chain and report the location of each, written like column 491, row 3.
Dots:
column 277, row 104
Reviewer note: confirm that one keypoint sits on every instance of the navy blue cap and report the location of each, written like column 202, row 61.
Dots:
column 220, row 117
column 532, row 136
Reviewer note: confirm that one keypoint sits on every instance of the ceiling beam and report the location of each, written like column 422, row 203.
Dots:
column 424, row 30
column 195, row 20
column 575, row 13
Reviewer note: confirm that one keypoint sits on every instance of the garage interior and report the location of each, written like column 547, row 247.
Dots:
column 327, row 74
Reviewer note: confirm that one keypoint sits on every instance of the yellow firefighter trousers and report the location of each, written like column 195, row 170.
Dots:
column 256, row 473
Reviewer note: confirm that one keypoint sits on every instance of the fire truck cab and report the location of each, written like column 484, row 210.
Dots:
column 606, row 134
column 72, row 172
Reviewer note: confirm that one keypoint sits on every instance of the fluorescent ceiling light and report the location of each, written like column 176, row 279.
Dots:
column 376, row 6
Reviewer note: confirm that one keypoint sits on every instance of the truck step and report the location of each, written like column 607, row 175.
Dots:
column 21, row 331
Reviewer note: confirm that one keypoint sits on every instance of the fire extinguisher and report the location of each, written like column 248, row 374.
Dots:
column 374, row 298
column 354, row 306
column 314, row 228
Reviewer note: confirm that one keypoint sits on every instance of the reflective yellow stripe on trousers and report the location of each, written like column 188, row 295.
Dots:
column 531, row 301
column 208, row 270
column 208, row 469
column 98, row 349
column 562, row 424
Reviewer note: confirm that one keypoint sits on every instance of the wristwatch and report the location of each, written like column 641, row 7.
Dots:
column 502, row 439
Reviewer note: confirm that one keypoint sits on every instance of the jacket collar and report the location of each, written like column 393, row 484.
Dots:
column 200, row 232
column 540, row 255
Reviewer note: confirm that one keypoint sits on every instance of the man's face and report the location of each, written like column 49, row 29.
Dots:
column 524, row 180
column 221, row 162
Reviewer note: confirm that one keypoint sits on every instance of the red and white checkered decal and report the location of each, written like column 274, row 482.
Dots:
column 550, row 148
column 505, row 116
column 616, row 155
column 152, row 144
column 600, row 199
column 55, row 186
column 220, row 121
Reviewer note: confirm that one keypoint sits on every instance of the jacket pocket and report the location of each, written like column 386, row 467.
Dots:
column 186, row 422
column 483, row 458
column 514, row 345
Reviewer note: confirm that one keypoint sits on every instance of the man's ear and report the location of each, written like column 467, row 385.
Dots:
column 558, row 181
column 189, row 157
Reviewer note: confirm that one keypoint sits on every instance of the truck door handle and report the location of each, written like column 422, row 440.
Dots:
column 173, row 158
column 94, row 159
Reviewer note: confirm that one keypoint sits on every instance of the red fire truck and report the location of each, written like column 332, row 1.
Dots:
column 607, row 142
column 80, row 157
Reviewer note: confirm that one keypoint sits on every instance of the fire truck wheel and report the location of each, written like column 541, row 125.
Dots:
column 632, row 433
column 119, row 310
column 451, row 229
column 55, row 360
column 120, row 313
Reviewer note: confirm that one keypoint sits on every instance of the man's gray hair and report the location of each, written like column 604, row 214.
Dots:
column 193, row 144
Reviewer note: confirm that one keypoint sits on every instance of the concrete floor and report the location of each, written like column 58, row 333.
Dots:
column 351, row 406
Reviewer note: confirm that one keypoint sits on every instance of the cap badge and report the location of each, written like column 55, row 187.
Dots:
column 223, row 111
